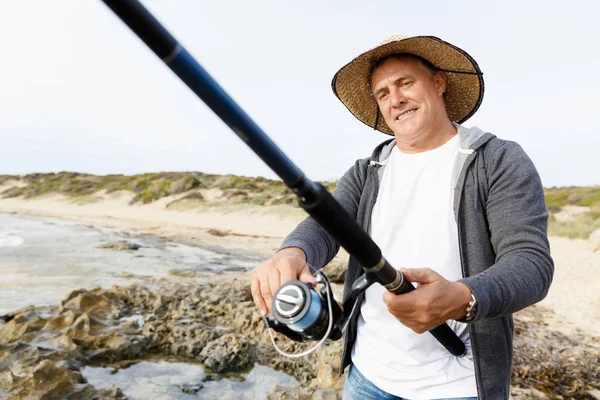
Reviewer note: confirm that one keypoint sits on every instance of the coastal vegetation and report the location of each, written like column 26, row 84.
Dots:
column 574, row 211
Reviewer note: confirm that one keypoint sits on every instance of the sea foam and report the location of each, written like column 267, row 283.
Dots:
column 9, row 239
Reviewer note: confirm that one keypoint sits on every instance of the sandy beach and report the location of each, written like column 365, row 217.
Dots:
column 574, row 298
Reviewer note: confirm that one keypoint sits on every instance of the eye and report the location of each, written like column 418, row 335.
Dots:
column 382, row 96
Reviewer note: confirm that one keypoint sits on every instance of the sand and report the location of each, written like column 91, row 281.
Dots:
column 573, row 299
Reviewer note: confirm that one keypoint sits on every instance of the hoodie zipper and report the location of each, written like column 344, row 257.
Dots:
column 462, row 264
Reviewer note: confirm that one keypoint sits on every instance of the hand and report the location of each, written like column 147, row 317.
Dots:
column 286, row 265
column 435, row 300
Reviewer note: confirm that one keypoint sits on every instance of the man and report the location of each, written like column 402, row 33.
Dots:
column 462, row 212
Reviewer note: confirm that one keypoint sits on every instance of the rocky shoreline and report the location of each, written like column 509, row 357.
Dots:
column 42, row 350
column 215, row 324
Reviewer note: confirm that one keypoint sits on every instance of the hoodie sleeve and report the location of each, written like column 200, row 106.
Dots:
column 518, row 229
column 318, row 245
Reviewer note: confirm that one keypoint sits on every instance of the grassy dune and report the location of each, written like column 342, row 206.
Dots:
column 574, row 211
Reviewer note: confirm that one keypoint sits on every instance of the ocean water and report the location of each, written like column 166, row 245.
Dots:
column 42, row 260
column 167, row 381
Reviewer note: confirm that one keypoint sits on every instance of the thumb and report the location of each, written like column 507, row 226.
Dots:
column 420, row 275
column 306, row 276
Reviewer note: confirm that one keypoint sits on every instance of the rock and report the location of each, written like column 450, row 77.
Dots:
column 192, row 345
column 63, row 342
column 336, row 271
column 52, row 380
column 21, row 325
column 211, row 378
column 120, row 246
column 325, row 394
column 217, row 232
column 229, row 353
column 300, row 393
column 48, row 380
column 327, row 375
column 84, row 300
column 61, row 322
column 191, row 389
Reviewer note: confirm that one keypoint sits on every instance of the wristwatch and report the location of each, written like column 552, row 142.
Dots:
column 471, row 309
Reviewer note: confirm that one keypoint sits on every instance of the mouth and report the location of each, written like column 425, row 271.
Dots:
column 405, row 114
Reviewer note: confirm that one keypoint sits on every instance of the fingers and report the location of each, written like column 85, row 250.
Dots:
column 307, row 276
column 407, row 310
column 268, row 277
column 255, row 289
column 401, row 304
column 287, row 273
column 274, row 284
column 426, row 307
column 420, row 275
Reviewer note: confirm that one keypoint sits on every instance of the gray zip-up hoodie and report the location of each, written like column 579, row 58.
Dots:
column 502, row 221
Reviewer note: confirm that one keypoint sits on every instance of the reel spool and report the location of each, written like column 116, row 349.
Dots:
column 305, row 314
column 297, row 305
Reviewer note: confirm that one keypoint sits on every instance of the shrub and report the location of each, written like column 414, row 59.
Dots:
column 184, row 184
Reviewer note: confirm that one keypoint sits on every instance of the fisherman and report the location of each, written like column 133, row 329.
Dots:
column 460, row 210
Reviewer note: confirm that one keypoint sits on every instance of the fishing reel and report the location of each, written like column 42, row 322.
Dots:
column 307, row 314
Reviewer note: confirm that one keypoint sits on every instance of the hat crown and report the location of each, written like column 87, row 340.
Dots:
column 393, row 38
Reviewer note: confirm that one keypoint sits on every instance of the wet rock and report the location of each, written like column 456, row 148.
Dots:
column 229, row 353
column 120, row 246
column 191, row 389
column 211, row 378
column 48, row 380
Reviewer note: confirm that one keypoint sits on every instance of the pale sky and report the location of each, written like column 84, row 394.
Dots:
column 79, row 92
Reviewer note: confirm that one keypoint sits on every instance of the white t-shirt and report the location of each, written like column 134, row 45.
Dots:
column 413, row 224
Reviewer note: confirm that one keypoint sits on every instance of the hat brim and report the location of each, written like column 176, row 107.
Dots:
column 464, row 89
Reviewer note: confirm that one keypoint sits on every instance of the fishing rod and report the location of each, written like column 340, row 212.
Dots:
column 300, row 312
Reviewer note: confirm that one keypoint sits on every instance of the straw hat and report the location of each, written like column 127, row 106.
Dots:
column 464, row 91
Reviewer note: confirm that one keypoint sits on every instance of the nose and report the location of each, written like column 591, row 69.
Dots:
column 397, row 98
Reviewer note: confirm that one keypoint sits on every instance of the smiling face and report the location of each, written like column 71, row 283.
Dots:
column 411, row 101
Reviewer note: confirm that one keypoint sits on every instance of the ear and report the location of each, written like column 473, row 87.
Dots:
column 440, row 82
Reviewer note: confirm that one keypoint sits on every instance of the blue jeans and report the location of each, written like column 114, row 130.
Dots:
column 357, row 387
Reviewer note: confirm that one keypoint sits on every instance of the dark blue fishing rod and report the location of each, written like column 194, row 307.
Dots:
column 313, row 197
